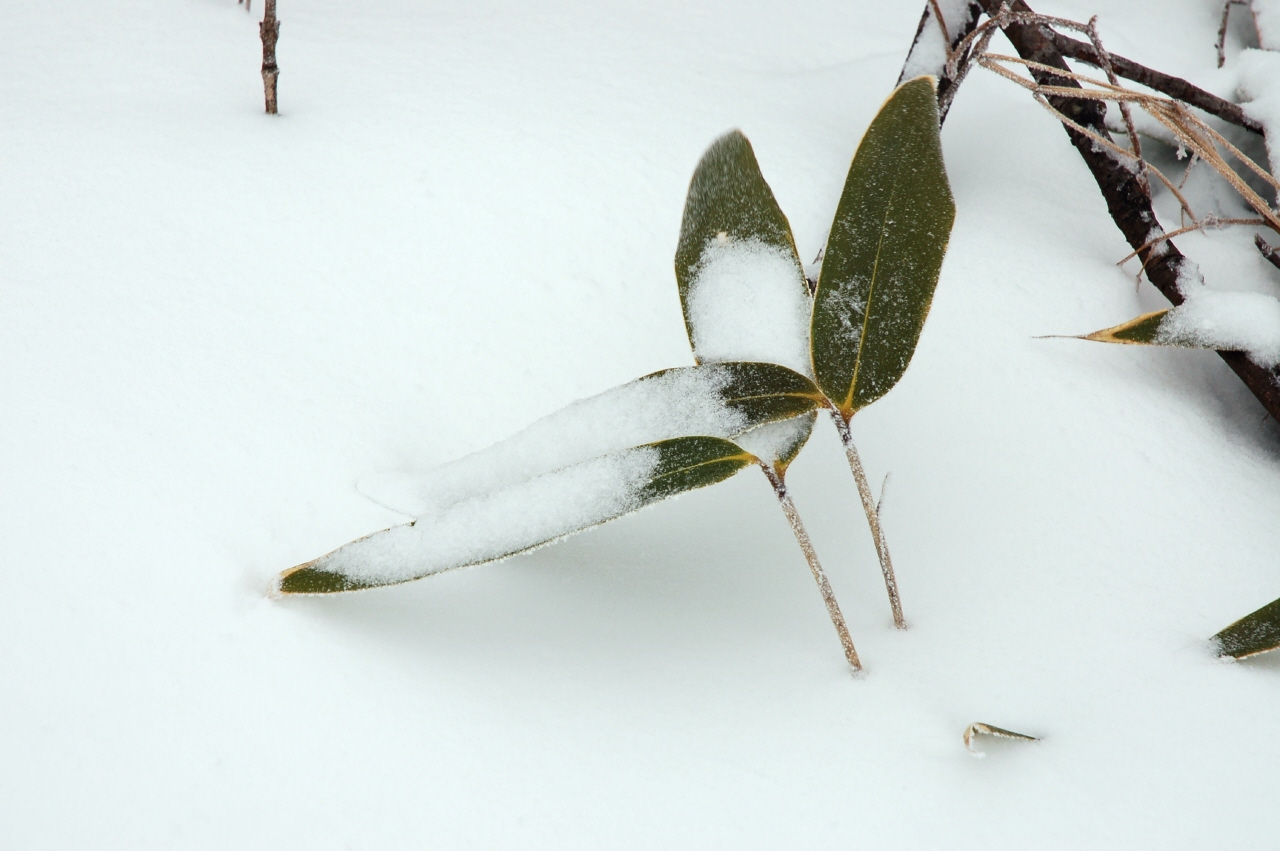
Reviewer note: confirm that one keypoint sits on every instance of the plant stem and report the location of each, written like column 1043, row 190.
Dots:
column 819, row 575
column 269, row 30
column 873, row 517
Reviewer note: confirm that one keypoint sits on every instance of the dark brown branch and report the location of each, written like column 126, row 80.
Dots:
column 1174, row 87
column 1272, row 254
column 1128, row 201
column 269, row 30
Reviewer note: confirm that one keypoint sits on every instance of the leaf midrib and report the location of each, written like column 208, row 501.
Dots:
column 875, row 273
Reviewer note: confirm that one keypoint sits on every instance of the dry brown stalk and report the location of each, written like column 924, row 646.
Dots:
column 269, row 30
column 873, row 517
column 815, row 567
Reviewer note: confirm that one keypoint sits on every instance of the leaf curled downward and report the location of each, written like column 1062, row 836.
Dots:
column 978, row 728
column 885, row 252
column 1253, row 634
column 521, row 516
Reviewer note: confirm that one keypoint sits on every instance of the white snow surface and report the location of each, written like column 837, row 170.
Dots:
column 675, row 404
column 1266, row 15
column 507, row 520
column 1260, row 85
column 213, row 323
column 748, row 301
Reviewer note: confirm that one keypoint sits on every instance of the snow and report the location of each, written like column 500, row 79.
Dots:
column 929, row 54
column 501, row 522
column 1260, row 86
column 1266, row 15
column 675, row 403
column 214, row 323
column 1231, row 321
column 748, row 301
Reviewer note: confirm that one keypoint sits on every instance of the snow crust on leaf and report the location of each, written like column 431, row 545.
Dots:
column 673, row 403
column 1211, row 319
column 509, row 520
column 748, row 301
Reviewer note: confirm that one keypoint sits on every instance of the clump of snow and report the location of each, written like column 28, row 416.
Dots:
column 510, row 520
column 749, row 301
column 776, row 440
column 1229, row 321
column 1266, row 15
column 675, row 403
column 1260, row 84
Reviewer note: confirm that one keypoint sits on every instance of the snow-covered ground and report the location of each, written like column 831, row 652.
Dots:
column 214, row 323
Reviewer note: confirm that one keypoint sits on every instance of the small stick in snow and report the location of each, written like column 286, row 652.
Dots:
column 269, row 29
column 819, row 575
column 1272, row 254
column 873, row 517
column 977, row 728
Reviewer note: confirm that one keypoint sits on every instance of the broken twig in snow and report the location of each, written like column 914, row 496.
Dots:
column 1272, row 254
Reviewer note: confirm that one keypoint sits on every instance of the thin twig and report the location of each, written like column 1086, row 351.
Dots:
column 1222, row 30
column 811, row 556
column 1207, row 222
column 1174, row 87
column 873, row 517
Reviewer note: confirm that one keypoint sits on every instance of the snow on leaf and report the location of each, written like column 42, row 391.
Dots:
column 885, row 252
column 1253, row 634
column 719, row 400
column 742, row 286
column 522, row 516
column 1210, row 319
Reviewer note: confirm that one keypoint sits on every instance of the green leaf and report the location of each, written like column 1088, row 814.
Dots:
column 729, row 201
column 885, row 252
column 522, row 516
column 1143, row 331
column 761, row 392
column 1252, row 634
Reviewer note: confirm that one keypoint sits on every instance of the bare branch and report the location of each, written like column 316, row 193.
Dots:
column 1174, row 87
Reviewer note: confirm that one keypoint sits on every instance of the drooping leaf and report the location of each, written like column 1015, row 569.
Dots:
column 885, row 252
column 742, row 286
column 1225, row 321
column 522, row 516
column 1255, row 633
column 719, row 400
column 1143, row 331
column 978, row 728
